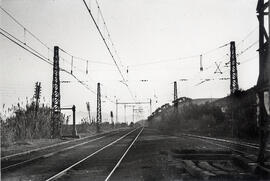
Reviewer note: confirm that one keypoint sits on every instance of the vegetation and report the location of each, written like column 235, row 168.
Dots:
column 232, row 116
column 86, row 127
column 24, row 124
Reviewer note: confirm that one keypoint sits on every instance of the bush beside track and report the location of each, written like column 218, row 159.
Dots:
column 231, row 116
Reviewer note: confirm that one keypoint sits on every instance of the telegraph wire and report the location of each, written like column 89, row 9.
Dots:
column 181, row 58
column 23, row 43
column 249, row 59
column 242, row 52
column 40, row 41
column 106, row 27
column 36, row 53
column 30, row 51
column 83, row 59
column 242, row 62
column 249, row 47
column 41, row 57
column 24, row 28
column 107, row 46
column 108, row 33
column 194, row 56
column 247, row 36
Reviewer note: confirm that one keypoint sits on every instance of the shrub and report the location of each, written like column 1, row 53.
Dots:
column 237, row 112
column 23, row 124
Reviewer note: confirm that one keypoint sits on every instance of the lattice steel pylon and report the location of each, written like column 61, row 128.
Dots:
column 263, row 83
column 175, row 96
column 233, row 72
column 99, row 116
column 56, row 111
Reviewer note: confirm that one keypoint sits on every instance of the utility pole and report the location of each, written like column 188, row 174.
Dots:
column 116, row 111
column 37, row 96
column 263, row 83
column 125, row 111
column 175, row 91
column 99, row 118
column 56, row 111
column 74, row 132
column 88, row 110
column 133, row 111
column 201, row 65
column 233, row 72
column 175, row 101
column 150, row 104
column 112, row 119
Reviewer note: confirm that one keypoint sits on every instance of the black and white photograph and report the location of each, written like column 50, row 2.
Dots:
column 135, row 90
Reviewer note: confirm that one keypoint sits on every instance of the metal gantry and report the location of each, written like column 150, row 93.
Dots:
column 133, row 113
column 127, row 104
column 56, row 111
column 233, row 71
column 263, row 83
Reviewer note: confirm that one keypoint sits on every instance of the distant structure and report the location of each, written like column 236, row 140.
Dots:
column 234, row 77
column 99, row 118
column 56, row 111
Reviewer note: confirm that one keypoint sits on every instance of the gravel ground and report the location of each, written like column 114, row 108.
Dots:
column 160, row 157
column 45, row 168
column 154, row 156
column 26, row 145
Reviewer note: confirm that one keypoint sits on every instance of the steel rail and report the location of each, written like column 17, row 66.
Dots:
column 49, row 154
column 120, row 160
column 243, row 153
column 61, row 173
column 50, row 146
column 245, row 144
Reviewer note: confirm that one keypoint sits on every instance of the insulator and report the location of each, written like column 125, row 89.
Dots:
column 71, row 65
column 87, row 67
column 201, row 66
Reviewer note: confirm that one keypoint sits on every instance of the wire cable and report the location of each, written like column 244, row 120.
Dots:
column 33, row 53
column 106, row 44
column 181, row 58
column 108, row 48
column 40, row 56
column 107, row 30
column 25, row 29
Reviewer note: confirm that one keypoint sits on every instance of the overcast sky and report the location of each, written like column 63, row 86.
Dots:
column 143, row 31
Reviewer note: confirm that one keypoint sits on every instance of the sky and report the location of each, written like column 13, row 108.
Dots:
column 156, row 40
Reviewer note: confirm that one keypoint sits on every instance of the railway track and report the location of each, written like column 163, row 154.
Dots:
column 10, row 156
column 248, row 151
column 72, row 157
column 19, row 159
